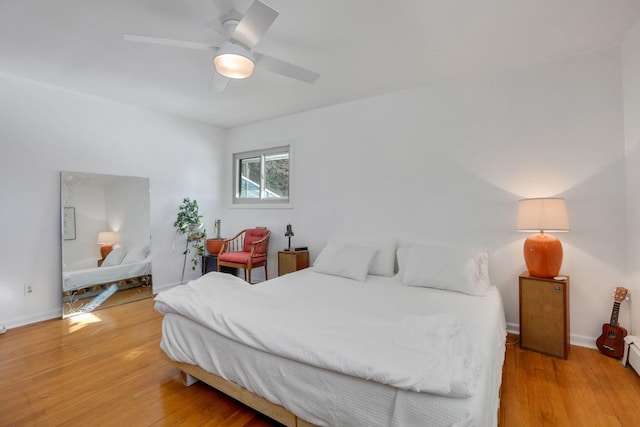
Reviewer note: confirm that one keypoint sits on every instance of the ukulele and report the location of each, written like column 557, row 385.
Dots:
column 611, row 342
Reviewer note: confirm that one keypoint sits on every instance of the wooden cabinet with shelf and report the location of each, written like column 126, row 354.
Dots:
column 290, row 261
column 544, row 314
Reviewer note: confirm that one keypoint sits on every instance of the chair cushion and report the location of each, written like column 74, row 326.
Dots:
column 253, row 235
column 239, row 257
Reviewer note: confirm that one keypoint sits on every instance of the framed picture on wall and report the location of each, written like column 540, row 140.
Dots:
column 69, row 223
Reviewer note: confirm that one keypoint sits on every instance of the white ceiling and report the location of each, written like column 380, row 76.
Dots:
column 361, row 48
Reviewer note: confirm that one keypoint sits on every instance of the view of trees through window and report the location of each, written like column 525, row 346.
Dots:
column 263, row 175
column 276, row 175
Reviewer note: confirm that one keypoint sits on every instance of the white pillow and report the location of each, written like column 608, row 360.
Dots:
column 114, row 257
column 136, row 254
column 384, row 261
column 402, row 261
column 482, row 259
column 449, row 269
column 345, row 259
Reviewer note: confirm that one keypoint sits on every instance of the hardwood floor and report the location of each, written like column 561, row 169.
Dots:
column 107, row 370
column 587, row 389
column 104, row 370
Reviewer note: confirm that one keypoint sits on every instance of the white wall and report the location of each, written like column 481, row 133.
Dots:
column 45, row 130
column 446, row 163
column 631, row 85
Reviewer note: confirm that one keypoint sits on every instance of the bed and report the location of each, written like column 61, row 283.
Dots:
column 120, row 264
column 336, row 345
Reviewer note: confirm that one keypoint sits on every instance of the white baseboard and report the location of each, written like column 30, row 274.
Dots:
column 574, row 339
column 582, row 341
column 34, row 318
column 513, row 328
column 55, row 314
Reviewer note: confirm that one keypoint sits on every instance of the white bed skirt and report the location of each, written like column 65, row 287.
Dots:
column 316, row 395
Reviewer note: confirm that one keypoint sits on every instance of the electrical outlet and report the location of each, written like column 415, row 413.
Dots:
column 28, row 289
column 3, row 329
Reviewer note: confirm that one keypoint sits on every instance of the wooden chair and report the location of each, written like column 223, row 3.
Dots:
column 247, row 250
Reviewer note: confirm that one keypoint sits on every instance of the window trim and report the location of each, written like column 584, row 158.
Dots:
column 259, row 202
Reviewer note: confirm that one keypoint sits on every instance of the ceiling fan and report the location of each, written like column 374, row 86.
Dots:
column 235, row 57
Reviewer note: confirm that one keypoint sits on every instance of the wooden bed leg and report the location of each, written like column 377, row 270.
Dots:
column 188, row 379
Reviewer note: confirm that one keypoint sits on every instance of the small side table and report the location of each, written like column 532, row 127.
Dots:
column 544, row 314
column 290, row 261
column 210, row 259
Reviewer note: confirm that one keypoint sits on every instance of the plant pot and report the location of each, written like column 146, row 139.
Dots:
column 214, row 246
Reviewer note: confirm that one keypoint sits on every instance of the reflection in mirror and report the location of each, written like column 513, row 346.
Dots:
column 106, row 256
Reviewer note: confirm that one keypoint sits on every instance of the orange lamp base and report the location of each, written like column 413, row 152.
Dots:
column 105, row 249
column 543, row 255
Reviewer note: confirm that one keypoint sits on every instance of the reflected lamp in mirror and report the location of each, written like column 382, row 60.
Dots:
column 542, row 252
column 288, row 234
column 106, row 239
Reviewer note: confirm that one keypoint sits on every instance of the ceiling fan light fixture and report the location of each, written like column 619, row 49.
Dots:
column 234, row 62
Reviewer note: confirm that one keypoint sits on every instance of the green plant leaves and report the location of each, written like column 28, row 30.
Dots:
column 189, row 222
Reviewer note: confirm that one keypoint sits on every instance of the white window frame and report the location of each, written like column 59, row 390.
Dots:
column 259, row 202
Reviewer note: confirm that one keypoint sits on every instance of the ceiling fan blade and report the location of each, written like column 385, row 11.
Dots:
column 254, row 24
column 218, row 82
column 284, row 68
column 168, row 42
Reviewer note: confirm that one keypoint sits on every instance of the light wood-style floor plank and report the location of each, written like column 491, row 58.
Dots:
column 588, row 389
column 104, row 370
column 107, row 370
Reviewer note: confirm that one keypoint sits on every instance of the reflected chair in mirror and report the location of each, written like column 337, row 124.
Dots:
column 247, row 250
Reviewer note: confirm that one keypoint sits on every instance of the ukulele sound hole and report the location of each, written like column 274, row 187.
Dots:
column 612, row 334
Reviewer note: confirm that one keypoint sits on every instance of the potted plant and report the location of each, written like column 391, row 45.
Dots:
column 189, row 223
column 214, row 244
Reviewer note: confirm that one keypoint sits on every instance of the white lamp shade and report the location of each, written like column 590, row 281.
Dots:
column 233, row 61
column 107, row 237
column 542, row 214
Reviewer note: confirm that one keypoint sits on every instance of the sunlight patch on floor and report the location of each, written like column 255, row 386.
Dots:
column 79, row 321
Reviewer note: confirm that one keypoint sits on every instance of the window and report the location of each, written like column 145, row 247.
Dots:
column 261, row 176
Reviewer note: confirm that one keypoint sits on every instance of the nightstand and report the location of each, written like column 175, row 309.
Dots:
column 290, row 261
column 210, row 259
column 544, row 314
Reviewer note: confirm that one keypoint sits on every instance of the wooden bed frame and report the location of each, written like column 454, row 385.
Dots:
column 192, row 373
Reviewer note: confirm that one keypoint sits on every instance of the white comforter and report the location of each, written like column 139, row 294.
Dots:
column 77, row 279
column 425, row 353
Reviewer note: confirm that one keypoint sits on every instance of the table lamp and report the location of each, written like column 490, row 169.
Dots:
column 542, row 252
column 288, row 234
column 106, row 239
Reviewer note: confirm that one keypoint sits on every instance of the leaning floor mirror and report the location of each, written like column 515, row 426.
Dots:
column 106, row 251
